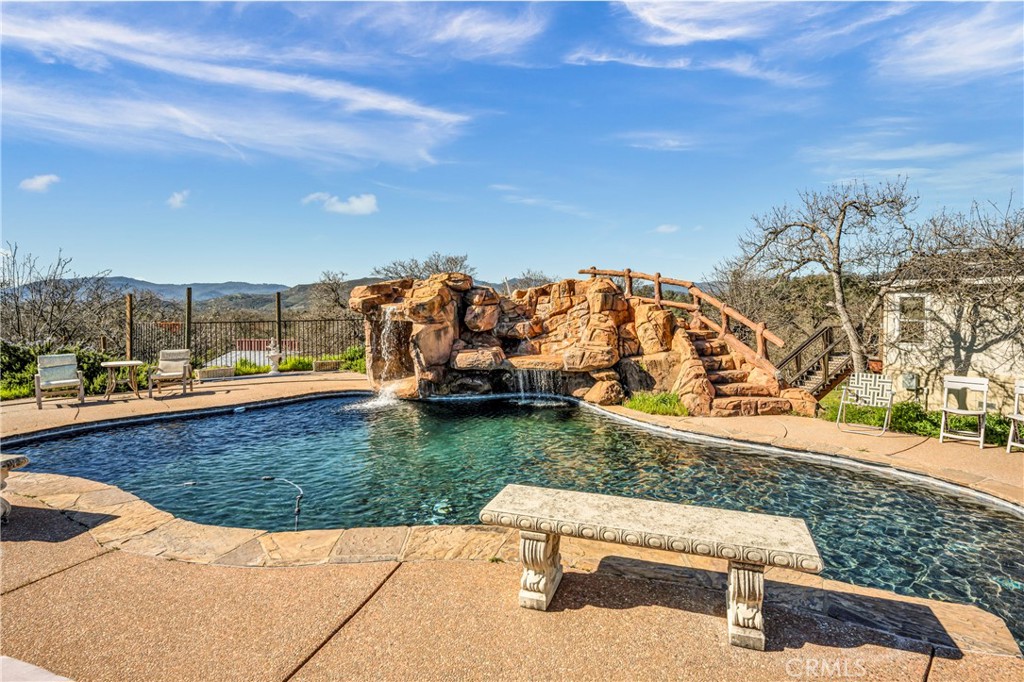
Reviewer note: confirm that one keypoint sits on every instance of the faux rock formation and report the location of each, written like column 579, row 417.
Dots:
column 584, row 338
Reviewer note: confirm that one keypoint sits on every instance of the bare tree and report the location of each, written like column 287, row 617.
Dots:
column 528, row 279
column 851, row 233
column 434, row 263
column 330, row 293
column 52, row 304
column 973, row 263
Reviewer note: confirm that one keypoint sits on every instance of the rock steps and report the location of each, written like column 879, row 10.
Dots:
column 729, row 374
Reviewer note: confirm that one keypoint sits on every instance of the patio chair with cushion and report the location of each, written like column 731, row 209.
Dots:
column 960, row 389
column 1016, row 437
column 173, row 367
column 866, row 390
column 59, row 375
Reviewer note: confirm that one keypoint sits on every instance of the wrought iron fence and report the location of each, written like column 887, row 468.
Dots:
column 228, row 342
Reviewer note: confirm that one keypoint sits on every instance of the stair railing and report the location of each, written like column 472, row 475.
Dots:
column 814, row 353
column 727, row 314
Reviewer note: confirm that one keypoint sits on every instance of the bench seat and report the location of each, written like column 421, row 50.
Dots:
column 750, row 542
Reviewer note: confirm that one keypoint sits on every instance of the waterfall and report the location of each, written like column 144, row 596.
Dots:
column 390, row 344
column 385, row 398
column 534, row 381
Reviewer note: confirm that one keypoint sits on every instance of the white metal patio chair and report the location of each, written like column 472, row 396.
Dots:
column 59, row 375
column 173, row 367
column 961, row 389
column 1016, row 437
column 863, row 389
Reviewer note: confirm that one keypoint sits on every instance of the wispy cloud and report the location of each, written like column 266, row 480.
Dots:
column 940, row 166
column 666, row 229
column 177, row 199
column 975, row 42
column 39, row 183
column 232, row 129
column 584, row 56
column 362, row 204
column 659, row 140
column 238, row 111
column 685, row 23
column 448, row 30
column 516, row 195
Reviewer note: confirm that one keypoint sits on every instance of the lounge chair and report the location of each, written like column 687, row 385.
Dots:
column 960, row 388
column 1016, row 437
column 866, row 390
column 173, row 367
column 59, row 375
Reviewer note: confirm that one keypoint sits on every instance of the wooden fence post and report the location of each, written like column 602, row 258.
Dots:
column 128, row 326
column 657, row 288
column 277, row 302
column 629, row 282
column 592, row 273
column 188, row 318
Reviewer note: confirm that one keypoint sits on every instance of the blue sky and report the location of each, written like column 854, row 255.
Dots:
column 271, row 141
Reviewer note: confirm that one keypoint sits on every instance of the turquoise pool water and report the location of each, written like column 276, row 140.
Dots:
column 362, row 463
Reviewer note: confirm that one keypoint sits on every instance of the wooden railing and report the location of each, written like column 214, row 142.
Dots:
column 825, row 352
column 727, row 313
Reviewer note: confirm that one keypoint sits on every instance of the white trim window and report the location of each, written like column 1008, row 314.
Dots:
column 911, row 316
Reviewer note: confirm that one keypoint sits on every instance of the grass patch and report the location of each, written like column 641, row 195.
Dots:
column 657, row 403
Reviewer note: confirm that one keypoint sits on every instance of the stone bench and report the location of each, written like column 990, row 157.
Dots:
column 749, row 541
column 8, row 463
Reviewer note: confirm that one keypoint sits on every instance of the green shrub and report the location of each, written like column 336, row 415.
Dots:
column 296, row 364
column 245, row 367
column 18, row 368
column 657, row 403
column 352, row 360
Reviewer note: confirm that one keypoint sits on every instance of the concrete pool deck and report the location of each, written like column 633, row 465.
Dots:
column 97, row 584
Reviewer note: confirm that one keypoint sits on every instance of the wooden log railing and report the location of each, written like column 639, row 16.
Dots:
column 728, row 314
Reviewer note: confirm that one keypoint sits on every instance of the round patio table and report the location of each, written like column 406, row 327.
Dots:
column 113, row 376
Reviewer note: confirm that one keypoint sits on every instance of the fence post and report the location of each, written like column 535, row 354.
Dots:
column 592, row 273
column 277, row 304
column 188, row 318
column 128, row 326
column 629, row 282
column 657, row 288
column 762, row 349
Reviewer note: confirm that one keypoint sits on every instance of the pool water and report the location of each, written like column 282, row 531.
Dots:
column 361, row 462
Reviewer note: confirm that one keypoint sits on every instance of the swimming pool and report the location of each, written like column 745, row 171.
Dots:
column 361, row 462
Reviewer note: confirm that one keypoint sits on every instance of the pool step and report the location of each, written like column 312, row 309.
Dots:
column 743, row 390
column 748, row 407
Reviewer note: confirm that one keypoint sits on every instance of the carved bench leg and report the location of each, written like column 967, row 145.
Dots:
column 5, row 506
column 542, row 569
column 745, row 596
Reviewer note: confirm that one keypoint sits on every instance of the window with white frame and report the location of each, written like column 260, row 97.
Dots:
column 910, row 322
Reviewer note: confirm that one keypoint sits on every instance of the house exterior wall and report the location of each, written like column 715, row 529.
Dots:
column 1002, row 363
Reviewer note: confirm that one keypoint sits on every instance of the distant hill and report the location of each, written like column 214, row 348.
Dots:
column 224, row 296
column 201, row 291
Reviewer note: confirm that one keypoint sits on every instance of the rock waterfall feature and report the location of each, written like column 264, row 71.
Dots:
column 444, row 335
